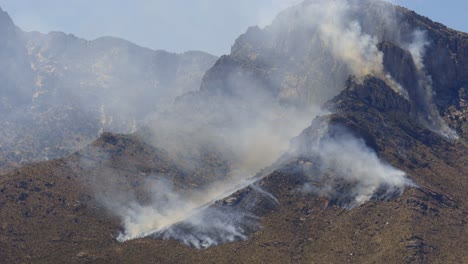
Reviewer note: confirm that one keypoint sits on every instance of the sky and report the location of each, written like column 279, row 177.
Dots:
column 181, row 25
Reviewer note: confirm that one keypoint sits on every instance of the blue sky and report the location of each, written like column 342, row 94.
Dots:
column 180, row 25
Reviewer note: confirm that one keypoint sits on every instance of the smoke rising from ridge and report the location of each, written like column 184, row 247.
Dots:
column 238, row 119
column 343, row 35
column 248, row 143
column 168, row 207
column 417, row 48
column 346, row 160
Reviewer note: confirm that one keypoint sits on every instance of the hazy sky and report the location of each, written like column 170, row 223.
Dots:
column 180, row 25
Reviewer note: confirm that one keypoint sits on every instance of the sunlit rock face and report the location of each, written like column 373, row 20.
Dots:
column 300, row 58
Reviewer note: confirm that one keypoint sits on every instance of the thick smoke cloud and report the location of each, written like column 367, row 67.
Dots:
column 343, row 35
column 348, row 160
column 341, row 30
column 248, row 128
column 187, row 216
column 250, row 139
column 244, row 129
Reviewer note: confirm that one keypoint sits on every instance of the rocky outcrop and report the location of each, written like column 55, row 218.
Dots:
column 445, row 59
column 399, row 63
column 371, row 92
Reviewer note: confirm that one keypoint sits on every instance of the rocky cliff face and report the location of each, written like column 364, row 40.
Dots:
column 59, row 92
column 294, row 59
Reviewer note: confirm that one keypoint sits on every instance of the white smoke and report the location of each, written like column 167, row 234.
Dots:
column 347, row 158
column 417, row 47
column 251, row 129
column 192, row 218
column 345, row 38
column 210, row 227
column 341, row 33
column 189, row 217
column 249, row 133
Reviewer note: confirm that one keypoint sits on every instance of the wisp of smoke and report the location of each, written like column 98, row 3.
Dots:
column 210, row 227
column 340, row 33
column 417, row 48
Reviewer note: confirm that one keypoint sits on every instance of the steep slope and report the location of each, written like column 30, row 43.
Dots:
column 296, row 56
column 59, row 91
column 426, row 224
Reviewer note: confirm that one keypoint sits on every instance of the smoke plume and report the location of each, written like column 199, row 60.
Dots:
column 344, row 160
column 343, row 35
column 432, row 119
column 242, row 121
column 184, row 215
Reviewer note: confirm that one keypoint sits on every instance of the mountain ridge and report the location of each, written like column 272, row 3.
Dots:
column 77, row 87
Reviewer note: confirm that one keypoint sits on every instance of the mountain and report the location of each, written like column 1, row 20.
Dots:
column 290, row 57
column 378, row 175
column 60, row 91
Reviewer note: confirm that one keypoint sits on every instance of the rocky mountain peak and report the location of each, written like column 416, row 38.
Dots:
column 296, row 56
column 370, row 92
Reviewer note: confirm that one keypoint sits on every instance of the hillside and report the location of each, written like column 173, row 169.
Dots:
column 425, row 224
